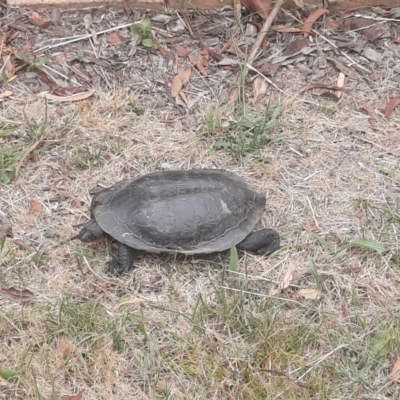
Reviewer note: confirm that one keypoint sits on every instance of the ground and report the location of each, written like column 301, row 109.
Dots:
column 318, row 319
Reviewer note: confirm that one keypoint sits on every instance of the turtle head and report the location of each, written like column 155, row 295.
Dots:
column 90, row 232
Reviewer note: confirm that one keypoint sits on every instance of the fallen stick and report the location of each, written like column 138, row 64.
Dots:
column 260, row 38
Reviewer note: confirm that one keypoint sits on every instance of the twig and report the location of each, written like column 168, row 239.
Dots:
column 387, row 149
column 263, row 32
column 260, row 38
column 82, row 37
column 95, row 273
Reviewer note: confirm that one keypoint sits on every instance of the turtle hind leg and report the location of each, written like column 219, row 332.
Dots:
column 262, row 242
column 124, row 260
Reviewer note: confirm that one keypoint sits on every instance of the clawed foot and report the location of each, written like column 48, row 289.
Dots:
column 116, row 268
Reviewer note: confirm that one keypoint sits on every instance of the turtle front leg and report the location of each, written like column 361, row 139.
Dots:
column 124, row 260
column 262, row 242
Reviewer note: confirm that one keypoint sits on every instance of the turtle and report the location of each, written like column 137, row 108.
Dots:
column 195, row 211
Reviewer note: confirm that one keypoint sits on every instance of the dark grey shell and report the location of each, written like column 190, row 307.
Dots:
column 190, row 212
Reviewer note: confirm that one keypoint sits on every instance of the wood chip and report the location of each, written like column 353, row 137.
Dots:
column 343, row 68
column 374, row 32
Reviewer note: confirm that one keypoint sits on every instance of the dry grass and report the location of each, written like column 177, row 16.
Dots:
column 193, row 338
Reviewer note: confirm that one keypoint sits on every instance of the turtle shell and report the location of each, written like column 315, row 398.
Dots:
column 190, row 212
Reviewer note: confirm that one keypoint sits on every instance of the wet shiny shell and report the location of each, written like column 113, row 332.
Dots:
column 194, row 211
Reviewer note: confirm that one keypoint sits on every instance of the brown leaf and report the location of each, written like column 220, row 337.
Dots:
column 343, row 68
column 6, row 230
column 259, row 88
column 125, row 302
column 332, row 25
column 317, row 85
column 285, row 28
column 308, row 23
column 295, row 46
column 263, row 7
column 205, row 58
column 393, row 103
column 72, row 97
column 233, row 94
column 182, row 50
column 358, row 23
column 185, row 75
column 370, row 110
column 28, row 45
column 37, row 20
column 77, row 396
column 397, row 39
column 176, row 86
column 214, row 54
column 330, row 95
column 287, row 279
column 183, row 97
column 35, row 206
column 374, row 32
column 309, row 293
column 197, row 63
column 179, row 66
column 14, row 294
column 116, row 38
column 267, row 68
column 375, row 76
column 6, row 93
column 395, row 374
column 382, row 12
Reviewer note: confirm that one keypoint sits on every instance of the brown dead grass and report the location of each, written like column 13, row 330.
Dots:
column 323, row 178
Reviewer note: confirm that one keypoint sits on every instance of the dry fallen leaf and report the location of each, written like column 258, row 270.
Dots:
column 126, row 302
column 14, row 294
column 6, row 93
column 374, row 32
column 182, row 50
column 72, row 97
column 287, row 279
column 308, row 23
column 395, row 374
column 176, row 86
column 309, row 293
column 259, row 88
column 397, row 39
column 285, row 28
column 116, row 38
column 370, row 110
column 263, row 7
column 295, row 46
column 77, row 396
column 375, row 76
column 332, row 25
column 183, row 97
column 318, row 85
column 197, row 63
column 233, row 94
column 393, row 103
column 343, row 68
column 267, row 68
column 35, row 206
